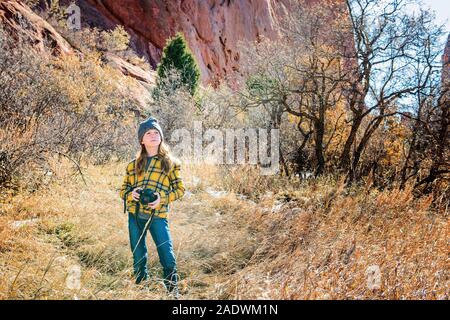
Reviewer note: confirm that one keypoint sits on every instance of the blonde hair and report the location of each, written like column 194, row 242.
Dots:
column 164, row 154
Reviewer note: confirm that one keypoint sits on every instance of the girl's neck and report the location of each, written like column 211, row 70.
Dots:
column 151, row 151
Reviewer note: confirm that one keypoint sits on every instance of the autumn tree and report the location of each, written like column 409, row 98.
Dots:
column 302, row 73
column 347, row 75
column 394, row 58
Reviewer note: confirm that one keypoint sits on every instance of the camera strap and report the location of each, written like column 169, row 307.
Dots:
column 131, row 188
column 138, row 203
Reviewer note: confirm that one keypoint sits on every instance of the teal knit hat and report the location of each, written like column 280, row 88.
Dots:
column 150, row 123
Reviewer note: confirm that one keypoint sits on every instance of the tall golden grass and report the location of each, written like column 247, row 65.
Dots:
column 236, row 235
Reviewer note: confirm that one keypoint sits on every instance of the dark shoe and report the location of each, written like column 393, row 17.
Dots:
column 140, row 280
column 171, row 283
column 140, row 277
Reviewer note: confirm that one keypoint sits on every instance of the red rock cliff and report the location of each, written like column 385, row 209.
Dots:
column 211, row 27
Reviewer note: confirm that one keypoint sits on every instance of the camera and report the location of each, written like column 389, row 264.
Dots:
column 146, row 196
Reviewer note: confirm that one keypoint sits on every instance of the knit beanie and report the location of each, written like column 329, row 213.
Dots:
column 150, row 123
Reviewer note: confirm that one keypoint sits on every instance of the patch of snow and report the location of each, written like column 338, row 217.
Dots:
column 277, row 206
column 241, row 196
column 21, row 223
column 267, row 195
column 216, row 193
column 306, row 174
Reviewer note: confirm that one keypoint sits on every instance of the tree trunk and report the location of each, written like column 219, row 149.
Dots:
column 362, row 145
column 345, row 156
column 319, row 133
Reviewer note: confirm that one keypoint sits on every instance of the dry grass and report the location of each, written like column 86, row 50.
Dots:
column 302, row 240
column 320, row 242
column 74, row 224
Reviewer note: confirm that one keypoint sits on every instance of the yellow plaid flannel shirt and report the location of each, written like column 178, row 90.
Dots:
column 169, row 186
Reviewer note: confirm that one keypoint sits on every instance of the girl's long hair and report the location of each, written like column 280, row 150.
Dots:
column 167, row 159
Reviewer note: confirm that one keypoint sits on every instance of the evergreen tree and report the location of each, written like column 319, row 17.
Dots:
column 177, row 56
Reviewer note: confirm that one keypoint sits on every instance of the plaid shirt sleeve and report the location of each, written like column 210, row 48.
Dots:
column 126, row 185
column 177, row 188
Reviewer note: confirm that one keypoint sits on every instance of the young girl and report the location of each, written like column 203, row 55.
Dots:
column 156, row 169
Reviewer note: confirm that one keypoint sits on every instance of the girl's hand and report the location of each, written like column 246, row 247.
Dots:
column 155, row 203
column 136, row 195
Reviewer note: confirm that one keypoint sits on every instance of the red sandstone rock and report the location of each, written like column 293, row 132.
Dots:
column 212, row 27
column 48, row 41
column 38, row 30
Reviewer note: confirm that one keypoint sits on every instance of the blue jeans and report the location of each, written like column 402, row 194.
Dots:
column 159, row 229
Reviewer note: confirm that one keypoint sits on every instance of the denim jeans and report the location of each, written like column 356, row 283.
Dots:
column 159, row 230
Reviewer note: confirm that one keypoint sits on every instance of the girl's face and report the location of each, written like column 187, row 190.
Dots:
column 151, row 138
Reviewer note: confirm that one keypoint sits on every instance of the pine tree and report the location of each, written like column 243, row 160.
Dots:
column 177, row 56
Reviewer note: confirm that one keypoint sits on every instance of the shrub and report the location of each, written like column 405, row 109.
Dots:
column 176, row 55
column 68, row 107
column 115, row 40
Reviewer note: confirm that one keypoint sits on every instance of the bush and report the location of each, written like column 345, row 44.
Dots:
column 68, row 107
column 115, row 40
column 174, row 107
column 176, row 55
